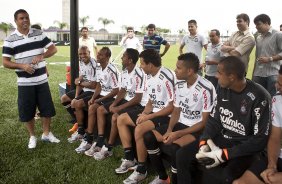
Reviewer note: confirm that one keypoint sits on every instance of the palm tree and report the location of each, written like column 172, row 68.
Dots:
column 83, row 20
column 105, row 22
column 61, row 25
column 5, row 27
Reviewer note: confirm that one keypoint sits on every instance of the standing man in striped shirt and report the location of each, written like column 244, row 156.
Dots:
column 154, row 41
column 268, row 53
column 27, row 45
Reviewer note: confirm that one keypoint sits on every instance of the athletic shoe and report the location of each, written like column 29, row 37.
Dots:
column 75, row 137
column 92, row 150
column 50, row 138
column 32, row 142
column 74, row 128
column 135, row 178
column 103, row 153
column 157, row 180
column 84, row 146
column 126, row 165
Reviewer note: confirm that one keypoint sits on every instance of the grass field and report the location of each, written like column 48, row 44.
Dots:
column 53, row 163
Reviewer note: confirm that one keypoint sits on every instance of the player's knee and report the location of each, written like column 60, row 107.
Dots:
column 101, row 110
column 150, row 140
column 121, row 119
column 64, row 98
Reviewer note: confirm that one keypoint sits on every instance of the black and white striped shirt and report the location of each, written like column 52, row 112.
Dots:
column 23, row 48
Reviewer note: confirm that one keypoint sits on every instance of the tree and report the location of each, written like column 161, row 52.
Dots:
column 83, row 20
column 61, row 25
column 105, row 22
column 181, row 31
column 6, row 27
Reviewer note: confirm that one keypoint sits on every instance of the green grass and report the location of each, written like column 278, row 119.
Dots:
column 52, row 163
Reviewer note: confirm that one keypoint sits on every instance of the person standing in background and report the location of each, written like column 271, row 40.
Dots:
column 88, row 41
column 130, row 40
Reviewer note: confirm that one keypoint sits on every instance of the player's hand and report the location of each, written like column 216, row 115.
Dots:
column 170, row 137
column 142, row 118
column 263, row 60
column 37, row 59
column 29, row 68
column 267, row 173
column 114, row 109
column 91, row 101
column 98, row 100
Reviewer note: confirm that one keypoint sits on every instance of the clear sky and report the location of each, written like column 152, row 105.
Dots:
column 219, row 14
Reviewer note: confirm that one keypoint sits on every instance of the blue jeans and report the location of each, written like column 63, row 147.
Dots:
column 267, row 82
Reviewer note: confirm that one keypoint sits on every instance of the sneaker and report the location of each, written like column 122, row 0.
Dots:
column 103, row 153
column 157, row 180
column 50, row 138
column 92, row 150
column 74, row 128
column 126, row 165
column 84, row 146
column 32, row 142
column 75, row 137
column 135, row 178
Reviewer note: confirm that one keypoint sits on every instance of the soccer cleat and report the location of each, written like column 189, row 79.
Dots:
column 126, row 165
column 157, row 180
column 103, row 153
column 74, row 128
column 135, row 178
column 92, row 150
column 75, row 137
column 32, row 142
column 50, row 138
column 84, row 146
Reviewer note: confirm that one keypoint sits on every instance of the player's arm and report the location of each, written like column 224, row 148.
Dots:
column 120, row 95
column 181, row 48
column 167, row 46
column 134, row 101
column 273, row 147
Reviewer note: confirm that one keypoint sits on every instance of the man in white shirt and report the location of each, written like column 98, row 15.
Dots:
column 130, row 41
column 88, row 41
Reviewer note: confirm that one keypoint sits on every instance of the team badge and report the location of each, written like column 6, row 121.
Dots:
column 105, row 78
column 153, row 90
column 195, row 39
column 159, row 88
column 195, row 97
column 187, row 100
column 154, row 42
column 243, row 108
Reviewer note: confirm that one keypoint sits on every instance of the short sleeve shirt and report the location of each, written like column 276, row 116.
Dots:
column 88, row 71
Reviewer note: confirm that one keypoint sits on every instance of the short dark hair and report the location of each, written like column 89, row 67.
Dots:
column 192, row 21
column 216, row 32
column 18, row 12
column 151, row 56
column 129, row 28
column 233, row 65
column 151, row 26
column 280, row 70
column 83, row 29
column 245, row 17
column 262, row 18
column 108, row 51
column 36, row 26
column 190, row 60
column 132, row 54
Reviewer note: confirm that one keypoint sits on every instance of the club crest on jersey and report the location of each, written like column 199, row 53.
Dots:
column 243, row 108
column 195, row 39
column 187, row 100
column 159, row 88
column 105, row 78
column 195, row 97
column 153, row 90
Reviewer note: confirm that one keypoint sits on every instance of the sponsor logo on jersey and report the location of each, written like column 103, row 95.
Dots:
column 161, row 77
column 168, row 89
column 263, row 103
column 257, row 113
column 205, row 99
column 226, row 117
column 251, row 95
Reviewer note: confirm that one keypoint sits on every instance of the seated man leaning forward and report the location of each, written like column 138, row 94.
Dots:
column 237, row 130
column 160, row 88
column 194, row 97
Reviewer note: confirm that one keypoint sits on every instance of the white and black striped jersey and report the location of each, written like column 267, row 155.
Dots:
column 23, row 48
column 133, row 83
column 242, row 119
column 108, row 78
column 161, row 88
column 277, row 112
column 194, row 100
column 88, row 71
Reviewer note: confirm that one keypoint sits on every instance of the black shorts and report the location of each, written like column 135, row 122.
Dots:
column 30, row 97
column 106, row 101
column 85, row 95
column 160, row 121
column 123, row 101
column 135, row 111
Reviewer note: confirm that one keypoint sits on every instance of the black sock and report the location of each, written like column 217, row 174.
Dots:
column 156, row 160
column 141, row 168
column 81, row 130
column 70, row 110
column 110, row 147
column 100, row 141
column 89, row 138
column 128, row 153
column 174, row 178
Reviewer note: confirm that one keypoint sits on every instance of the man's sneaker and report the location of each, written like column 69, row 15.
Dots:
column 75, row 137
column 157, row 180
column 135, row 178
column 103, row 153
column 32, row 142
column 74, row 128
column 92, row 150
column 50, row 138
column 83, row 147
column 126, row 165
